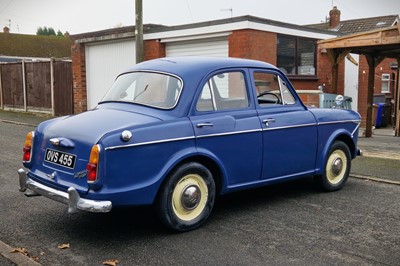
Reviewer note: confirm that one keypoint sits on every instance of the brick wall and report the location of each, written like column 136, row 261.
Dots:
column 324, row 76
column 309, row 98
column 253, row 44
column 259, row 45
column 79, row 77
column 154, row 49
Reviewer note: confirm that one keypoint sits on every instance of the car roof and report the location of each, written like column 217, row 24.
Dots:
column 198, row 66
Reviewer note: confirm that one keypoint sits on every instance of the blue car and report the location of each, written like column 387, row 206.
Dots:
column 177, row 132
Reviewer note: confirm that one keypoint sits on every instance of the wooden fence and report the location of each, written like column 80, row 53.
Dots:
column 43, row 86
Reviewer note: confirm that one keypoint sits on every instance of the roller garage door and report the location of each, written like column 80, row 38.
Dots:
column 104, row 61
column 205, row 47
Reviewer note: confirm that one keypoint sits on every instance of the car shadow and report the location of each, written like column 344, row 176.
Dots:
column 142, row 222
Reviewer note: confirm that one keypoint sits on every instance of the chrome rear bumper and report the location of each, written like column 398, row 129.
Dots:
column 71, row 198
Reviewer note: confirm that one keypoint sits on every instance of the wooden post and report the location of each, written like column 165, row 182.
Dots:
column 52, row 85
column 139, row 31
column 370, row 94
column 332, row 55
column 24, row 86
column 397, row 103
column 1, row 92
column 373, row 61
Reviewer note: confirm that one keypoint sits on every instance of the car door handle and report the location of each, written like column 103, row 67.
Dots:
column 267, row 121
column 207, row 124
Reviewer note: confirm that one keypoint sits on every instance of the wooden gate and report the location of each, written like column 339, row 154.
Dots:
column 44, row 86
column 63, row 92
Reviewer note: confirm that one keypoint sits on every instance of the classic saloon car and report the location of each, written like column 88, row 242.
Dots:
column 176, row 132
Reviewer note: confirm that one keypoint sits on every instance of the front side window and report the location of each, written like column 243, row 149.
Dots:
column 296, row 56
column 146, row 88
column 271, row 90
column 222, row 92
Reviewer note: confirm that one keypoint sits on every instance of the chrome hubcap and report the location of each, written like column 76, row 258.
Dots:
column 190, row 197
column 337, row 166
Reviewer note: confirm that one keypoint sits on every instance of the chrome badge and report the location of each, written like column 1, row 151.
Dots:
column 80, row 174
column 52, row 176
column 126, row 135
column 55, row 141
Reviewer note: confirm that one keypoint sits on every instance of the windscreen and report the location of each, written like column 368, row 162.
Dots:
column 147, row 88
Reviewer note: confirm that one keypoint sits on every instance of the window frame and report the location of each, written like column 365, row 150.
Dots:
column 297, row 55
column 215, row 94
column 282, row 86
column 386, row 80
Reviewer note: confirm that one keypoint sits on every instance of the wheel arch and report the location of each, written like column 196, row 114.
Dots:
column 208, row 162
column 343, row 136
column 346, row 139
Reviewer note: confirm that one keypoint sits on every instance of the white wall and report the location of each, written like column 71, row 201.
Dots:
column 351, row 80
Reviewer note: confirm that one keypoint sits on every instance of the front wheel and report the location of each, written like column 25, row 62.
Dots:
column 187, row 197
column 337, row 167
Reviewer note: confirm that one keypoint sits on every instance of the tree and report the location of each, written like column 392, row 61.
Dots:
column 48, row 31
column 51, row 32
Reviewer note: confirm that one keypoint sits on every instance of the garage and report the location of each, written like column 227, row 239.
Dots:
column 104, row 61
column 216, row 47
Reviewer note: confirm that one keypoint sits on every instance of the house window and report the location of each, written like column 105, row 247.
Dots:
column 296, row 56
column 385, row 83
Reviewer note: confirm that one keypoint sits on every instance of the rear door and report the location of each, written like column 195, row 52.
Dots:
column 227, row 127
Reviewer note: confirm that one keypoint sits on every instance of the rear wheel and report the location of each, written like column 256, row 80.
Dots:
column 187, row 197
column 337, row 167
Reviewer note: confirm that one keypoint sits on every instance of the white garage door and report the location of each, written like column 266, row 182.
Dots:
column 104, row 61
column 205, row 47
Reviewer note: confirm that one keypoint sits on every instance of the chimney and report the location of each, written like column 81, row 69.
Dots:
column 334, row 18
column 6, row 29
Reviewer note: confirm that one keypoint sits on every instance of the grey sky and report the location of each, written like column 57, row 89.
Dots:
column 77, row 16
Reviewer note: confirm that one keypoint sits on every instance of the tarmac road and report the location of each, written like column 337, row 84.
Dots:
column 286, row 224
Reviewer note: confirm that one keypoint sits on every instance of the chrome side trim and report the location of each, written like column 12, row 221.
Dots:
column 229, row 133
column 355, row 129
column 358, row 122
column 286, row 127
column 71, row 198
column 148, row 143
column 183, row 138
column 339, row 122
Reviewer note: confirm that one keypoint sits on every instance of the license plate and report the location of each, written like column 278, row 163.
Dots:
column 60, row 158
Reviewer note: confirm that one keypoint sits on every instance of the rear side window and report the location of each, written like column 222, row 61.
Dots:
column 223, row 91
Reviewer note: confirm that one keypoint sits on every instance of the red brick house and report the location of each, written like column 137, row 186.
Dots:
column 99, row 56
column 385, row 72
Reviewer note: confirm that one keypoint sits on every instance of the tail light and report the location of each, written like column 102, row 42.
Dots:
column 27, row 157
column 92, row 166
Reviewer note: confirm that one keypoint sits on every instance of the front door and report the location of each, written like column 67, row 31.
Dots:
column 289, row 129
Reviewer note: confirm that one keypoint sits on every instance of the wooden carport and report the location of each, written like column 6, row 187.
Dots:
column 375, row 45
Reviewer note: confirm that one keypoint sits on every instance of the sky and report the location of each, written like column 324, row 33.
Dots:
column 79, row 16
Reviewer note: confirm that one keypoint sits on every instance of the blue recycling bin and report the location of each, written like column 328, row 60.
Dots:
column 379, row 115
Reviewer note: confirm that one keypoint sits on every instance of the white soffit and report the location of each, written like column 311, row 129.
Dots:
column 225, row 29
